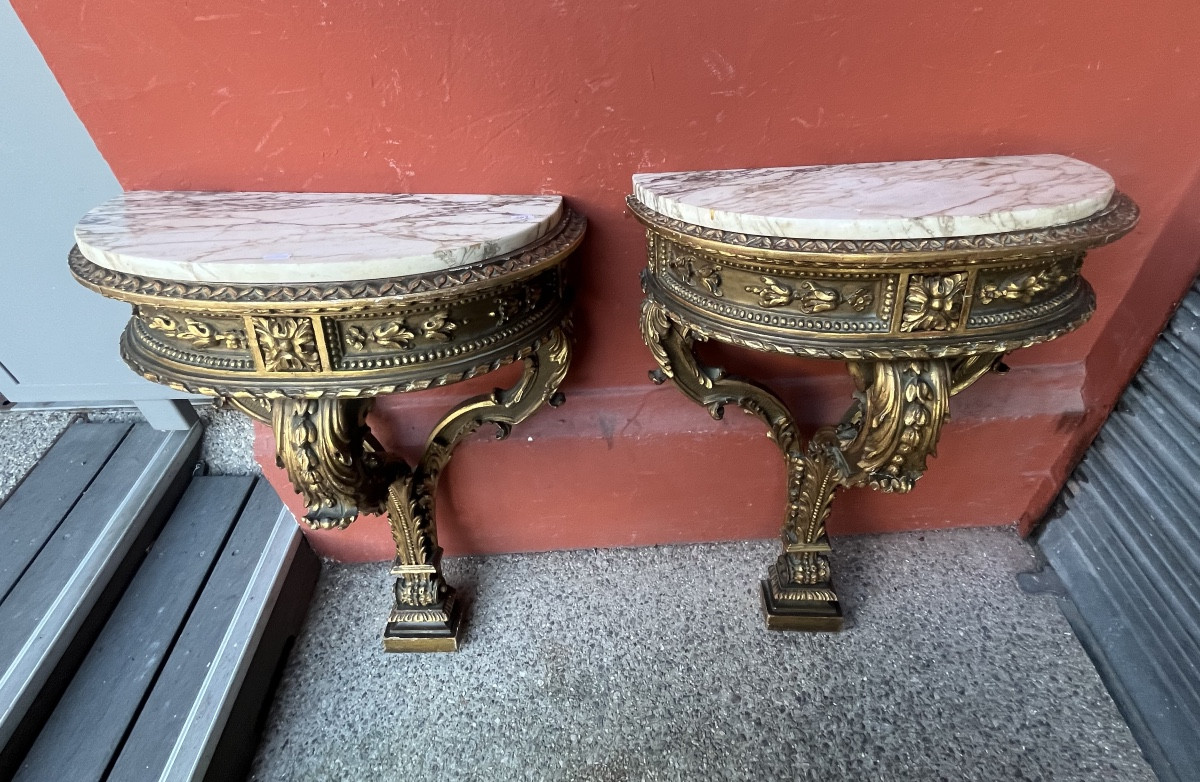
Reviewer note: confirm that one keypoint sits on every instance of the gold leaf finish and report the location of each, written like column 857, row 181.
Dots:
column 331, row 458
column 410, row 504
column 308, row 359
column 916, row 320
column 1025, row 287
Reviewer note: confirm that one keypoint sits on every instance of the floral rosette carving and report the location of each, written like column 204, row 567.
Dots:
column 933, row 303
column 287, row 344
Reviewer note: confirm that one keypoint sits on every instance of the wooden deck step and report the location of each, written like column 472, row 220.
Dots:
column 73, row 533
column 177, row 680
column 49, row 492
column 88, row 726
column 184, row 724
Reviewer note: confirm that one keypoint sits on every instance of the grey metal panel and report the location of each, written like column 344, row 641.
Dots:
column 39, row 504
column 1126, row 546
column 89, row 724
column 181, row 723
column 45, row 608
column 53, row 173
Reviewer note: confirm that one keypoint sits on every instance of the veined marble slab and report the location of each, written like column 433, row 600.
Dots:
column 306, row 237
column 917, row 199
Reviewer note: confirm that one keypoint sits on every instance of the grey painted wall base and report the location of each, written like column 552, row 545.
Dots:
column 168, row 414
column 53, row 174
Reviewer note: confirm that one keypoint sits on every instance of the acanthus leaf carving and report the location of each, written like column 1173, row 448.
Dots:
column 197, row 333
column 399, row 333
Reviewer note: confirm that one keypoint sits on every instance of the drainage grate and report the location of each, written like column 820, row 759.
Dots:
column 1126, row 546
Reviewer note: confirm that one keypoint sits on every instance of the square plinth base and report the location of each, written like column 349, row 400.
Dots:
column 811, row 617
column 426, row 636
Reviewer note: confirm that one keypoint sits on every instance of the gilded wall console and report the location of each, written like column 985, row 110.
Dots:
column 463, row 285
column 871, row 265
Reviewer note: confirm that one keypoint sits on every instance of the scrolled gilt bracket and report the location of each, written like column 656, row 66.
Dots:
column 671, row 345
column 883, row 441
column 916, row 319
column 427, row 614
column 332, row 458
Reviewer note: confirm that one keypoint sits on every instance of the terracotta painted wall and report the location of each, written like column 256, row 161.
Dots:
column 573, row 98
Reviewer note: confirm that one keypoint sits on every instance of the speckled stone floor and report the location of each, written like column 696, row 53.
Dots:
column 24, row 437
column 652, row 664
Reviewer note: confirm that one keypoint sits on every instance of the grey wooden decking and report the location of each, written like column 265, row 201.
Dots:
column 144, row 611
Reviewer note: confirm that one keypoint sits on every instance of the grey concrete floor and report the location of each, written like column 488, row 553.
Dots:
column 653, row 664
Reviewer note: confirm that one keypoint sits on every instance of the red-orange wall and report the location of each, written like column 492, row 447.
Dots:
column 573, row 98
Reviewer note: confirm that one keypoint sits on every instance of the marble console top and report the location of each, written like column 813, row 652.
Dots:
column 306, row 237
column 915, row 199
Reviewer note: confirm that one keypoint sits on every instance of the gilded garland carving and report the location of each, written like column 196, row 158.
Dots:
column 1072, row 310
column 401, row 334
column 729, row 309
column 850, row 311
column 810, row 297
column 139, row 331
column 392, row 334
column 1025, row 287
column 388, row 346
column 278, row 390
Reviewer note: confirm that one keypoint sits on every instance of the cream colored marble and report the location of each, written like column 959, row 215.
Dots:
column 906, row 200
column 306, row 237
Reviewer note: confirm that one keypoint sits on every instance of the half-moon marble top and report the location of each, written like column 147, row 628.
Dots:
column 916, row 199
column 306, row 237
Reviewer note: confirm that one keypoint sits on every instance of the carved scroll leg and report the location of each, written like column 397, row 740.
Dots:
column 331, row 457
column 797, row 595
column 884, row 442
column 427, row 616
